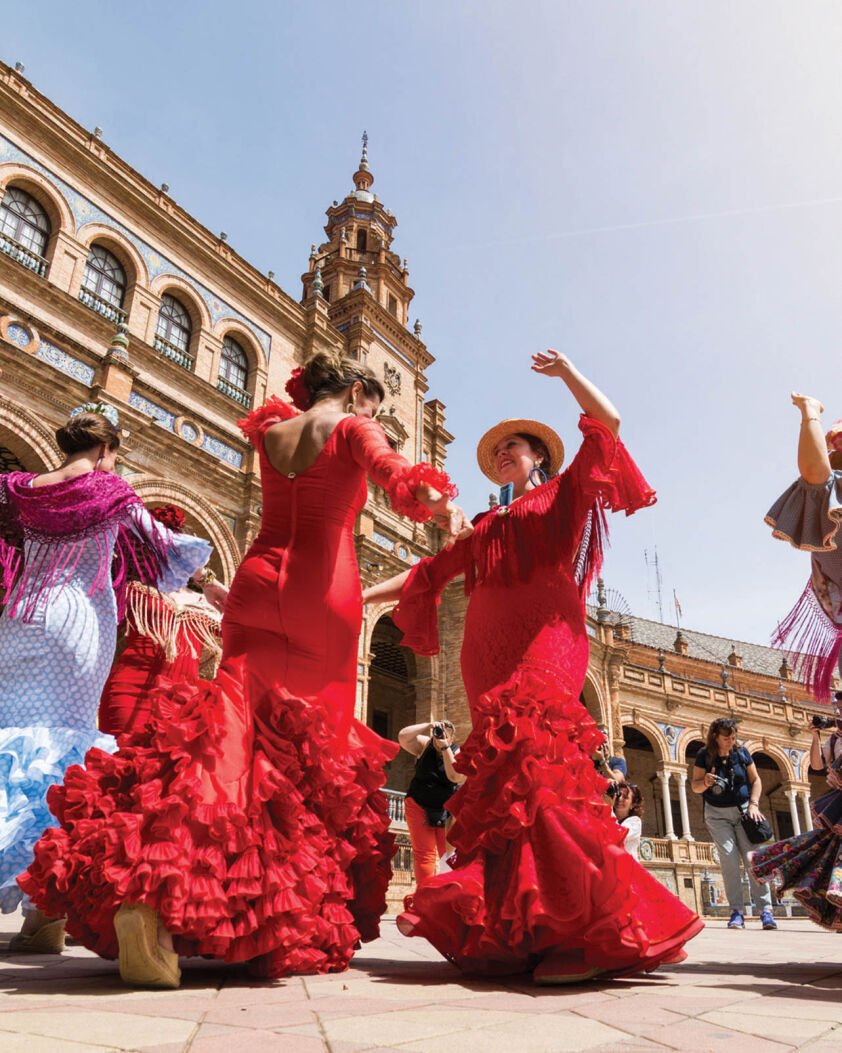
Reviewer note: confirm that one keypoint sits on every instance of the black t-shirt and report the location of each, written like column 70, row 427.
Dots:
column 733, row 769
column 430, row 786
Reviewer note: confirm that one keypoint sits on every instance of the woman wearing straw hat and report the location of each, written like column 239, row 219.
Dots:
column 541, row 880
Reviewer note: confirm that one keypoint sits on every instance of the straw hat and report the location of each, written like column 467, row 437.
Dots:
column 833, row 438
column 518, row 426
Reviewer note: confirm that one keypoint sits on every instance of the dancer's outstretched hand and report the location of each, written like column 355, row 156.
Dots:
column 809, row 406
column 216, row 594
column 551, row 363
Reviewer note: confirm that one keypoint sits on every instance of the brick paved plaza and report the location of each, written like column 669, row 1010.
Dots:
column 750, row 992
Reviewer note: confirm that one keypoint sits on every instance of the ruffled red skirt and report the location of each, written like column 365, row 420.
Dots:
column 254, row 838
column 540, row 866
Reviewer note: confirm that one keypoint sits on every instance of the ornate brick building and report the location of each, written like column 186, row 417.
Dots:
column 109, row 289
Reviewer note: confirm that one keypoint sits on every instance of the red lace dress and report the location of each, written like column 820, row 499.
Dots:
column 249, row 812
column 540, row 864
column 169, row 634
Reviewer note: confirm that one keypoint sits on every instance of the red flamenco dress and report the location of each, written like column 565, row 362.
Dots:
column 176, row 635
column 248, row 812
column 540, row 869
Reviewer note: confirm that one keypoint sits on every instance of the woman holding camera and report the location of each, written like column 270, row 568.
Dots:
column 726, row 777
column 435, row 781
column 540, row 881
column 810, row 865
column 628, row 811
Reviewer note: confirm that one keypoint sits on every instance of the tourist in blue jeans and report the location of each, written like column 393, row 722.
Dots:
column 726, row 777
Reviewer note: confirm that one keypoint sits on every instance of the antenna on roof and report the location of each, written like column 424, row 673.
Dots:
column 654, row 567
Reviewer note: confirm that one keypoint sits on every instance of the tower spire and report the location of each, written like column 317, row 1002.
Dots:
column 363, row 178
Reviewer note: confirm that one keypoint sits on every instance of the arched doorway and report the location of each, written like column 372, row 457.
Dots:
column 774, row 803
column 391, row 694
column 643, row 760
column 695, row 804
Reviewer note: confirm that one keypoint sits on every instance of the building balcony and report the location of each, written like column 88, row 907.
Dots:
column 21, row 254
column 101, row 306
column 233, row 392
column 173, row 353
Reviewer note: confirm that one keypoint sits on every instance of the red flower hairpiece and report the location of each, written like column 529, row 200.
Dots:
column 298, row 391
column 170, row 517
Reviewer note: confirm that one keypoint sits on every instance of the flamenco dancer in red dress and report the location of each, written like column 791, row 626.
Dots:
column 172, row 634
column 246, row 821
column 541, row 881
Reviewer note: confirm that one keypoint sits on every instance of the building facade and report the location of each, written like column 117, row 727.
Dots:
column 110, row 290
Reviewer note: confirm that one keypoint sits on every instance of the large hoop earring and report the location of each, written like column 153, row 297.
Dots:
column 351, row 407
column 542, row 475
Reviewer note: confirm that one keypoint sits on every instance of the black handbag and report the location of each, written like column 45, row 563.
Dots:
column 757, row 832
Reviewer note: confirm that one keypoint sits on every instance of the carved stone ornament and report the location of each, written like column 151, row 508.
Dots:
column 393, row 379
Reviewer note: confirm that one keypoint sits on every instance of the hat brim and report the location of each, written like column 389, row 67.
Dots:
column 518, row 426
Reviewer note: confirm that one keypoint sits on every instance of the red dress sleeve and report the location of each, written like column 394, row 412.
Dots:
column 602, row 477
column 273, row 411
column 417, row 612
column 371, row 450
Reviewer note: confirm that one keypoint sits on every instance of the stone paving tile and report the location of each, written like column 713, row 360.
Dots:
column 12, row 1043
column 701, row 1036
column 407, row 1025
column 264, row 1017
column 790, row 1029
column 118, row 1030
column 258, row 1042
column 544, row 1034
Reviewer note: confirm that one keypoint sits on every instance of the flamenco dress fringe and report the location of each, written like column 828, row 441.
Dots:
column 540, row 864
column 809, row 866
column 264, row 841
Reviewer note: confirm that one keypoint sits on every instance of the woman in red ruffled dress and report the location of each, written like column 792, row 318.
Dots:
column 541, row 881
column 246, row 821
column 174, row 634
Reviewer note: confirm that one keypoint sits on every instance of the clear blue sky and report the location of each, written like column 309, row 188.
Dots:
column 653, row 187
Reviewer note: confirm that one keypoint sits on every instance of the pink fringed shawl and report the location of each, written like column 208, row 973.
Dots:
column 55, row 522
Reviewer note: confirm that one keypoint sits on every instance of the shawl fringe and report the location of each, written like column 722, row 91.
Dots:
column 162, row 621
column 812, row 642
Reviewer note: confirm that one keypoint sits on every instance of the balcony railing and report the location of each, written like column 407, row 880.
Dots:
column 173, row 353
column 233, row 392
column 21, row 254
column 101, row 306
column 397, row 802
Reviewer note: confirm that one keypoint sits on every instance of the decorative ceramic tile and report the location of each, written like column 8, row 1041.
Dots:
column 64, row 362
column 19, row 335
column 152, row 409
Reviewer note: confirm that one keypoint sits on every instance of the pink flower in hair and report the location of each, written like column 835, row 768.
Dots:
column 834, row 438
column 298, row 391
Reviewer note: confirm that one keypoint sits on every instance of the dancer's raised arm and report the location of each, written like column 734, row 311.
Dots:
column 592, row 401
column 813, row 459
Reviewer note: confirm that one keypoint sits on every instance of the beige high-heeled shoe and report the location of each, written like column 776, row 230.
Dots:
column 143, row 961
column 45, row 935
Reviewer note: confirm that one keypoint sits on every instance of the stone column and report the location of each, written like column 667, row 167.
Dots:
column 682, row 802
column 805, row 809
column 664, row 776
column 793, row 811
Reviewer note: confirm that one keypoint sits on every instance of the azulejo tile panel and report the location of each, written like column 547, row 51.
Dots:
column 66, row 363
column 215, row 447
column 85, row 211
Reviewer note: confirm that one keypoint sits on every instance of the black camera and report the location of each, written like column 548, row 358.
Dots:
column 720, row 785
column 822, row 722
column 438, row 731
column 613, row 789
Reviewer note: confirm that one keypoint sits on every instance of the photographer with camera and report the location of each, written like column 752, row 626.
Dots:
column 434, row 783
column 823, row 757
column 726, row 776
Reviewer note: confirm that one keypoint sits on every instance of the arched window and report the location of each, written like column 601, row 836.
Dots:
column 104, row 284
column 234, row 372
column 172, row 333
column 24, row 229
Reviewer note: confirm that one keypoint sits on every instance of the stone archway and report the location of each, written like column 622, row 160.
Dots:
column 29, row 444
column 774, row 802
column 391, row 702
column 202, row 518
column 695, row 804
